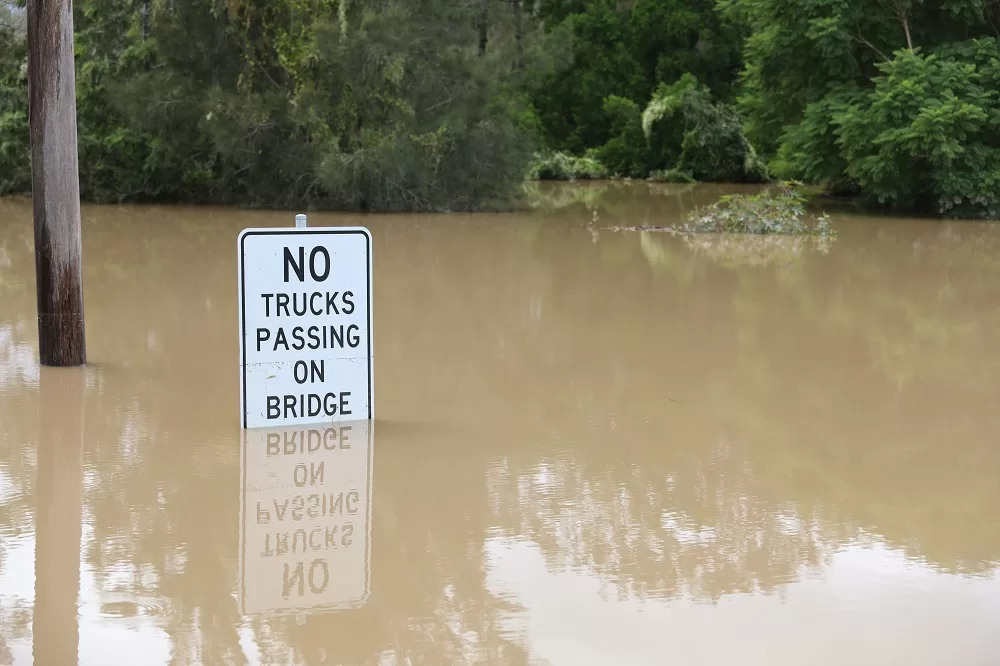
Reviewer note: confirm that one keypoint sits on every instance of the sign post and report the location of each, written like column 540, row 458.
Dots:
column 305, row 304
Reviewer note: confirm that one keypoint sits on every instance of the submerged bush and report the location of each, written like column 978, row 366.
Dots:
column 670, row 176
column 779, row 210
column 562, row 166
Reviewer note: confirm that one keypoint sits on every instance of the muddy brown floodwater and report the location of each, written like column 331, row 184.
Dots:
column 593, row 446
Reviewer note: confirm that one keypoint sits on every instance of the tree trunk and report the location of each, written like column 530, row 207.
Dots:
column 484, row 28
column 906, row 29
column 518, row 34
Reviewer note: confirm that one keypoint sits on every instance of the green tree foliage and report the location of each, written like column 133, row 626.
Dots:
column 782, row 211
column 562, row 166
column 15, row 174
column 926, row 135
column 625, row 50
column 691, row 134
column 436, row 105
column 626, row 153
column 358, row 104
column 896, row 99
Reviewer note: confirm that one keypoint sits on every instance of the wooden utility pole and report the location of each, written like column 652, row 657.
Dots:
column 55, row 182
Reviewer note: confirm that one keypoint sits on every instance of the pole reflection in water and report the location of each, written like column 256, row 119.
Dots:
column 58, row 514
column 305, row 518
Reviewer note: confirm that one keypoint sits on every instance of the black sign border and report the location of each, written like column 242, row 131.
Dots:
column 243, row 302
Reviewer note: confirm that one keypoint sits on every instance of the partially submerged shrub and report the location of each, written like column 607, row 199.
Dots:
column 670, row 176
column 779, row 210
column 562, row 166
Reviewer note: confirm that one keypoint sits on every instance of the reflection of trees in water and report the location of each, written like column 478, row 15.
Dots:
column 162, row 473
column 922, row 295
column 855, row 376
column 823, row 445
column 617, row 203
column 685, row 430
column 659, row 530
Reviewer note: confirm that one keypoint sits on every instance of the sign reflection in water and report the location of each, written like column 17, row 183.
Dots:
column 305, row 518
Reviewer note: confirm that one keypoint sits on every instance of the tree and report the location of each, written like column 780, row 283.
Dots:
column 626, row 50
column 15, row 170
column 356, row 104
column 895, row 99
column 690, row 134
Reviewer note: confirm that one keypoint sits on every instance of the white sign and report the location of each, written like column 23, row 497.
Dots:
column 305, row 518
column 305, row 326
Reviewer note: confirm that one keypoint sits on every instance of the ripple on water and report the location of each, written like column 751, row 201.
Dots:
column 124, row 606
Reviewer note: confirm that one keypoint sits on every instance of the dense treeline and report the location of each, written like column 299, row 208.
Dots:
column 435, row 104
column 365, row 104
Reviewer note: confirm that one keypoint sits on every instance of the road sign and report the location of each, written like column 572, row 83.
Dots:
column 305, row 326
column 305, row 518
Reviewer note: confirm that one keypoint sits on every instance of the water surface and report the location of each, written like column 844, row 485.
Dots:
column 593, row 446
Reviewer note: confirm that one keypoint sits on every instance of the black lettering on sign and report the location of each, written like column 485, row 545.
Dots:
column 319, row 264
column 263, row 335
column 311, row 372
column 281, row 339
column 297, row 268
column 282, row 304
column 319, row 250
column 312, row 404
